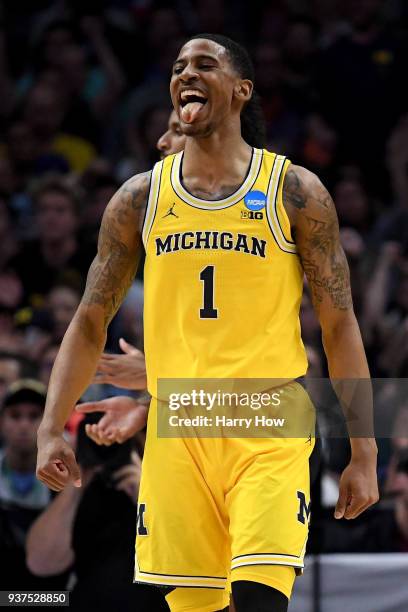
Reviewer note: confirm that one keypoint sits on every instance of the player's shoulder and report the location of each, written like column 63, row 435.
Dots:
column 302, row 189
column 137, row 182
column 134, row 192
column 297, row 179
column 302, row 177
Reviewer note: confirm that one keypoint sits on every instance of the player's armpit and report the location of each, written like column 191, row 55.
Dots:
column 316, row 230
column 119, row 247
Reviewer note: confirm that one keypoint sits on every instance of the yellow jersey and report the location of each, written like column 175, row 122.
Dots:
column 223, row 281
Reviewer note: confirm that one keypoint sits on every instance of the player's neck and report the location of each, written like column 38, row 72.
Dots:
column 219, row 159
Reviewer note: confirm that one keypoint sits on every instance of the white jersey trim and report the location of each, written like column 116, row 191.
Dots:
column 271, row 206
column 237, row 196
column 152, row 201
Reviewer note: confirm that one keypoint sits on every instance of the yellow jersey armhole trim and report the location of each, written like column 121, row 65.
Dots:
column 152, row 201
column 280, row 165
column 281, row 211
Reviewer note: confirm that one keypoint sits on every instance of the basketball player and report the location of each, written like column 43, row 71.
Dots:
column 222, row 295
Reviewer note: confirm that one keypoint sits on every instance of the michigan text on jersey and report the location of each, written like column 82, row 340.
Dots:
column 226, row 241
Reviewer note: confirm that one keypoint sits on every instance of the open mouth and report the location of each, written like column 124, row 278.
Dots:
column 192, row 102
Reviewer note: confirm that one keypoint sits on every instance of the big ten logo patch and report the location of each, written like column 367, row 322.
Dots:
column 251, row 214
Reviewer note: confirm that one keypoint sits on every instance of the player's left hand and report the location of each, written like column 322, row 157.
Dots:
column 358, row 488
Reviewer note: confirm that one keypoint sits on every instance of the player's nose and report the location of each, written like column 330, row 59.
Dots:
column 188, row 74
column 163, row 143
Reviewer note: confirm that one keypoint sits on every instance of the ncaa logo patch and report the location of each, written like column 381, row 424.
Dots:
column 255, row 200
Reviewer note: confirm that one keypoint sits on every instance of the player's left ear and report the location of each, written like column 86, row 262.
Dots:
column 243, row 90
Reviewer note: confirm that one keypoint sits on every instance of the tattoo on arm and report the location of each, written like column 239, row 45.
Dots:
column 292, row 193
column 134, row 191
column 316, row 233
column 325, row 265
column 114, row 267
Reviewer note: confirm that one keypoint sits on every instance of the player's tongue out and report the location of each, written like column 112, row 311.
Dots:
column 190, row 110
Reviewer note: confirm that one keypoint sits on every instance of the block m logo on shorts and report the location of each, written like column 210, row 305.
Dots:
column 141, row 529
column 304, row 508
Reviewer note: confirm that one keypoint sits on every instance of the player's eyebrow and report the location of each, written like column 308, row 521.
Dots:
column 201, row 56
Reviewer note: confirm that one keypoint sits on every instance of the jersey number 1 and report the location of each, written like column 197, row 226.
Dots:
column 208, row 311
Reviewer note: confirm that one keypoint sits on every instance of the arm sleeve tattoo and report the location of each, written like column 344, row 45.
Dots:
column 119, row 245
column 316, row 230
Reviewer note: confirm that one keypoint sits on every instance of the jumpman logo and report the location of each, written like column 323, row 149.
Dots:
column 168, row 214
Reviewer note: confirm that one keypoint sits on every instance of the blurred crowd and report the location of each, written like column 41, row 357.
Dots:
column 84, row 102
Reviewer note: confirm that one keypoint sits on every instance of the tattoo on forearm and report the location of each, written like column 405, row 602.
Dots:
column 317, row 238
column 113, row 269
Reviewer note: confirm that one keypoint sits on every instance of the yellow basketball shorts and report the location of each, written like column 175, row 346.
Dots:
column 215, row 510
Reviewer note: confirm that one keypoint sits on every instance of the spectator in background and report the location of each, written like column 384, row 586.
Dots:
column 57, row 253
column 22, row 496
column 44, row 111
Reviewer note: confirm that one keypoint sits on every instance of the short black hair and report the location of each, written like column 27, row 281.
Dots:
column 252, row 119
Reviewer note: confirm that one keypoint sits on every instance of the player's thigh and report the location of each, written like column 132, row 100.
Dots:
column 269, row 509
column 182, row 538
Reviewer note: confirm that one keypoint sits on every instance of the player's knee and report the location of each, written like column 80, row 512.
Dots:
column 256, row 597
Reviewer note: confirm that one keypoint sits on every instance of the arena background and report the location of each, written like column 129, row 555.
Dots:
column 84, row 98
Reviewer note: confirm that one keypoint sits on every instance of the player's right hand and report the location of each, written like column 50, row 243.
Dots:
column 56, row 463
column 124, row 417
